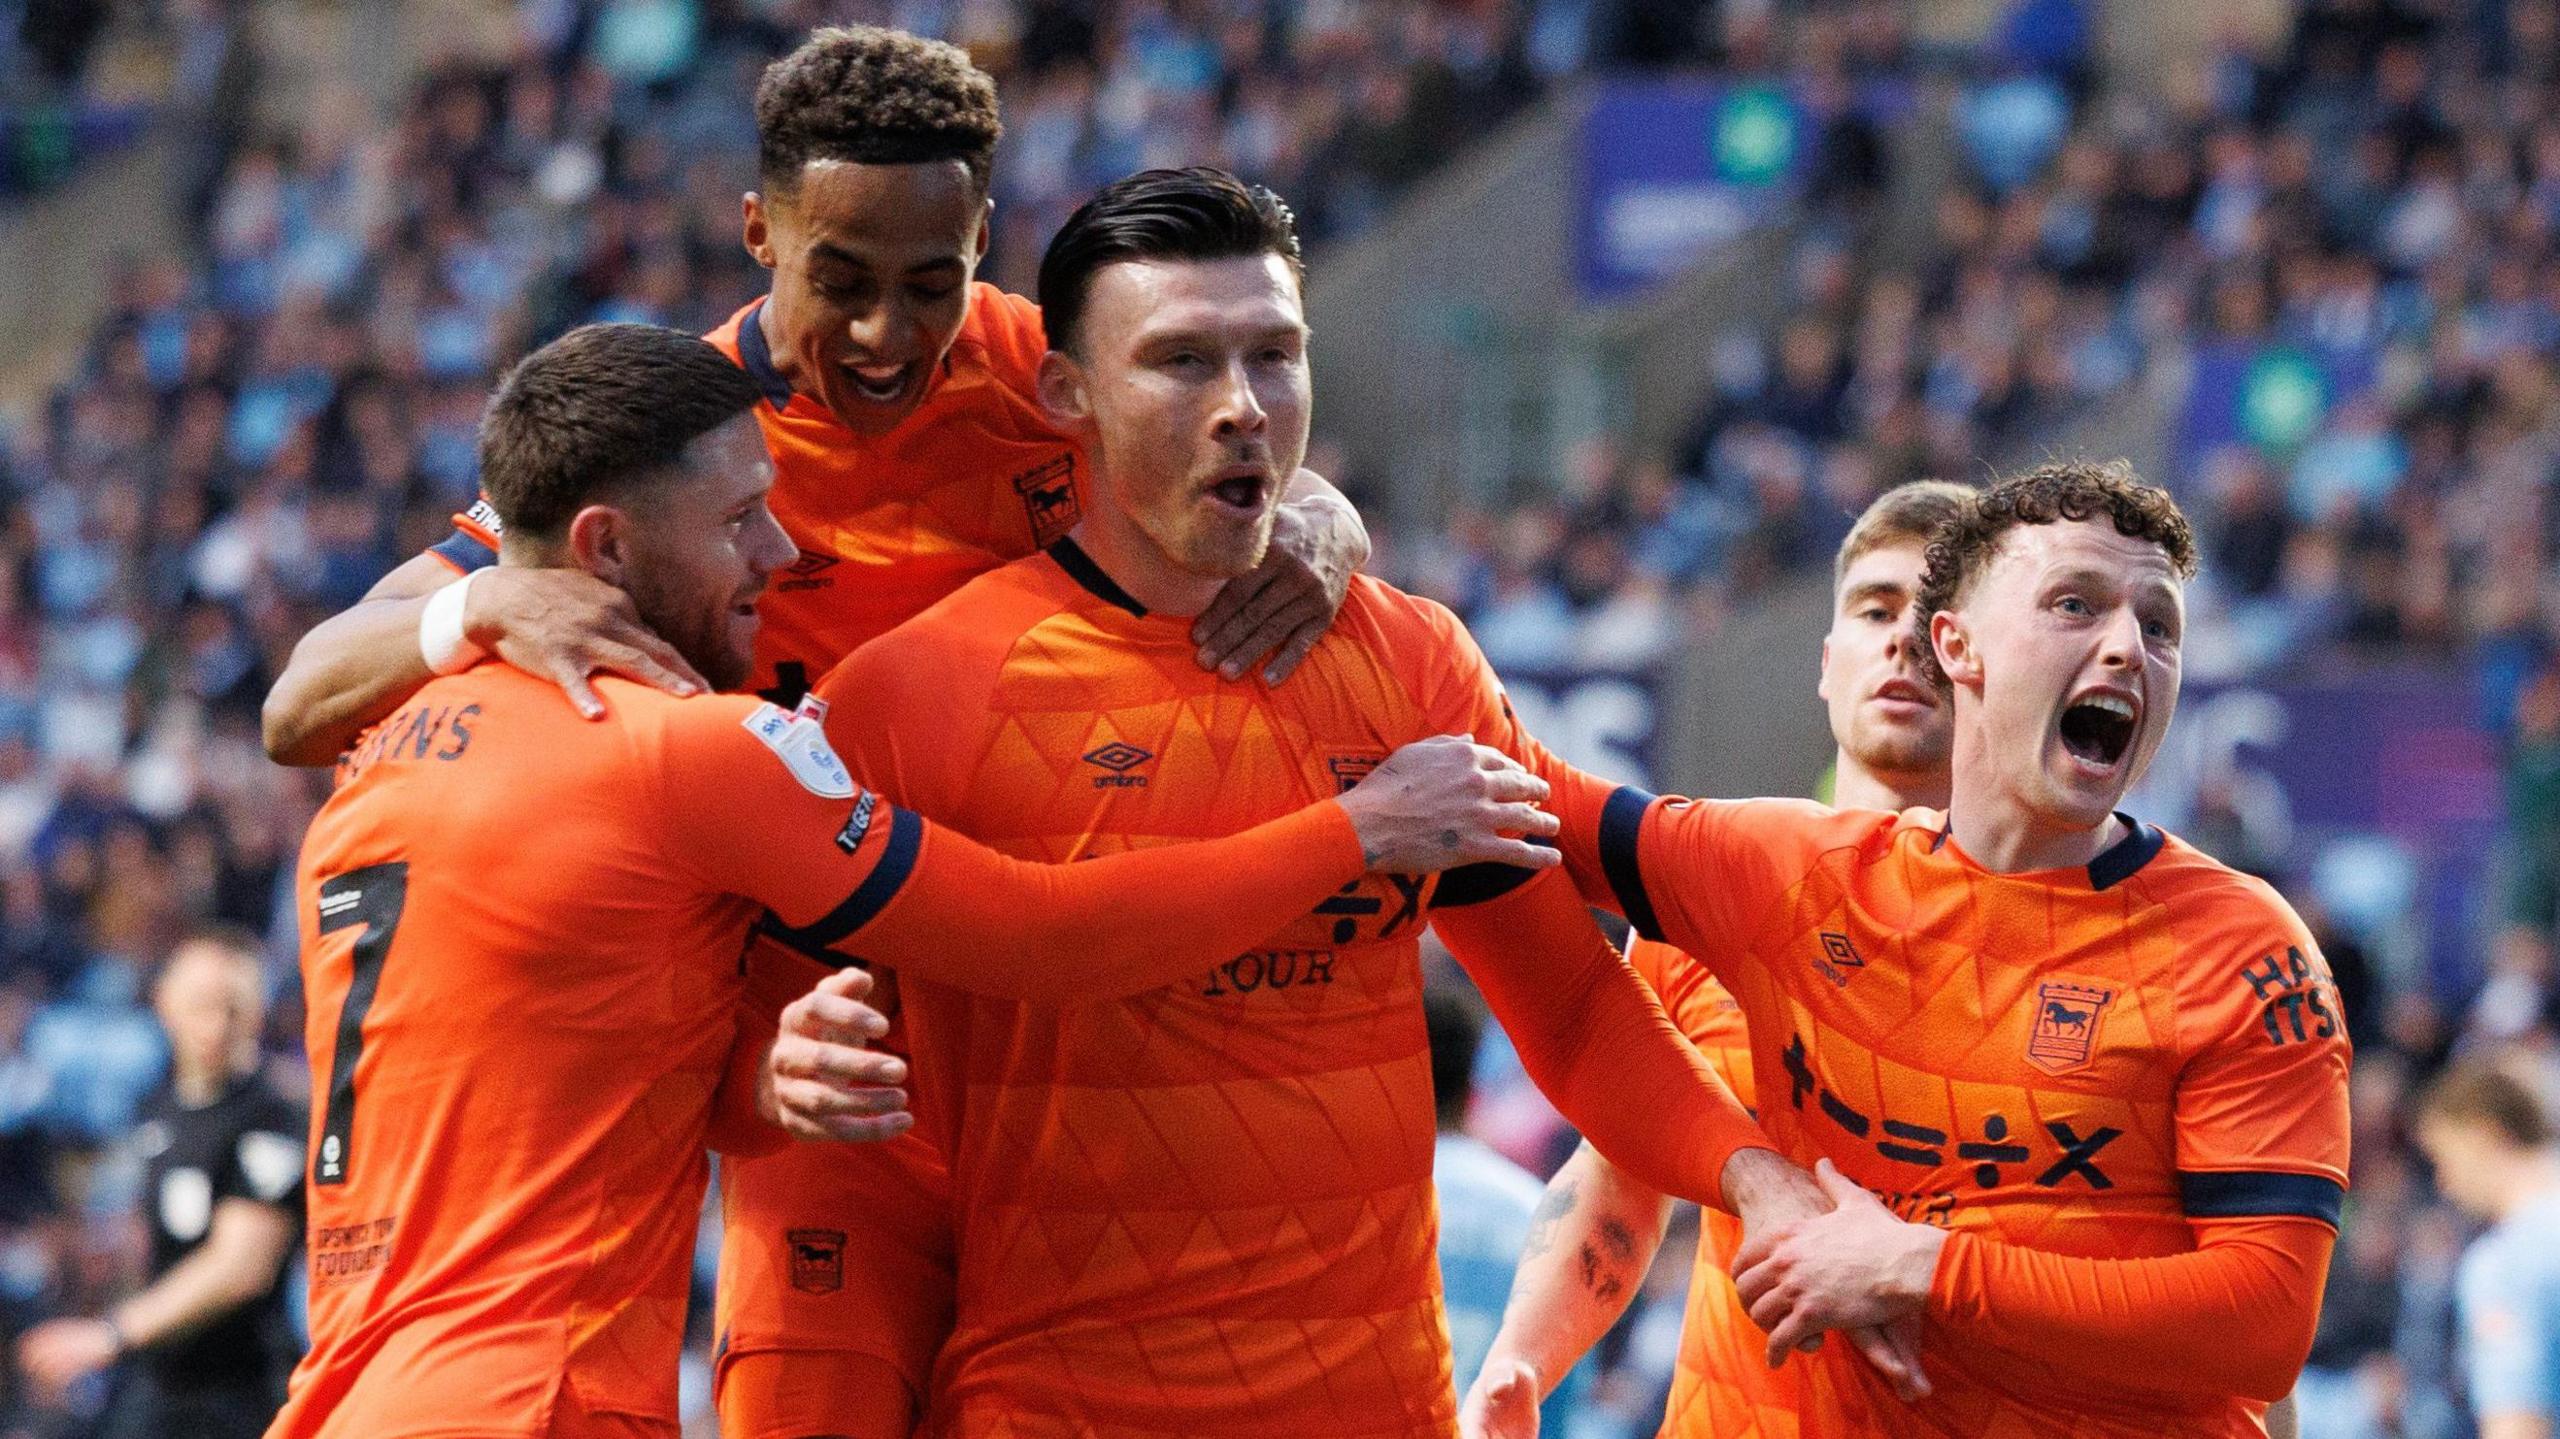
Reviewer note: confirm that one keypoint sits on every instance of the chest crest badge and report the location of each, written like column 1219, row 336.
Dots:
column 2065, row 1032
column 1049, row 499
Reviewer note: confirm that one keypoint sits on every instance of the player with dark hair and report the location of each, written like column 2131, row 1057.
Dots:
column 520, row 934
column 1207, row 1209
column 2092, row 1082
column 911, row 453
column 1598, row 1228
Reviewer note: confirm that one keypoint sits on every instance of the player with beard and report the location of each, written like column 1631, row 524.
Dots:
column 2078, row 1091
column 520, row 932
column 1598, row 1228
column 909, row 447
column 911, row 454
column 1208, row 1208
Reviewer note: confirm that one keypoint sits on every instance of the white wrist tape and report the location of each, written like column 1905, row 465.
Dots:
column 440, row 638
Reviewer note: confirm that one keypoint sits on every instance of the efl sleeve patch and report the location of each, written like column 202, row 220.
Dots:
column 799, row 740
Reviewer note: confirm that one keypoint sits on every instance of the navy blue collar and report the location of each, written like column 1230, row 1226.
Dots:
column 2120, row 862
column 2126, row 857
column 1081, row 569
column 756, row 358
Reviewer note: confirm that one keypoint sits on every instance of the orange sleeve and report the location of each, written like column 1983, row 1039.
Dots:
column 1596, row 1041
column 1701, row 1008
column 2262, row 1096
column 2233, row 1317
column 756, row 803
column 1113, row 926
column 1694, row 874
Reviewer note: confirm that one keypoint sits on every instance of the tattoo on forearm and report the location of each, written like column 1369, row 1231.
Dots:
column 1603, row 1282
column 1559, row 1202
column 1620, row 1239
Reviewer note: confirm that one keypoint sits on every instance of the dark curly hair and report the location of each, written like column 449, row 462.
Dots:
column 1962, row 545
column 873, row 96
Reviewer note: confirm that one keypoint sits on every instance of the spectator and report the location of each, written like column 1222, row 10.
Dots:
column 2491, row 1145
column 207, row 1339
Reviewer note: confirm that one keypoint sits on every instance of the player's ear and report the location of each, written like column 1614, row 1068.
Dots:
column 600, row 542
column 1822, row 687
column 757, row 232
column 1954, row 648
column 986, row 231
column 1064, row 391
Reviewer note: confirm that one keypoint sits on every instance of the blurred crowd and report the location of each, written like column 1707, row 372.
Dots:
column 2334, row 275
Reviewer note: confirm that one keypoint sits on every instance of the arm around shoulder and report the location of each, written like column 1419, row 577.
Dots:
column 352, row 668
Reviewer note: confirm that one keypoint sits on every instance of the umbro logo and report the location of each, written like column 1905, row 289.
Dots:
column 1119, row 757
column 804, row 572
column 1838, row 960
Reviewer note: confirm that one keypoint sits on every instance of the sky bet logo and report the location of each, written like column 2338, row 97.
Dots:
column 1118, row 757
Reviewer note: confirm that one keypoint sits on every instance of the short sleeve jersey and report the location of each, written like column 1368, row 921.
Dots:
column 520, row 935
column 1206, row 1209
column 2079, row 1061
column 887, row 524
column 244, row 1145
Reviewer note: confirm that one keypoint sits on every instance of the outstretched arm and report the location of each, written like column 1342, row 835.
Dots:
column 1127, row 923
column 1596, row 1042
column 1594, row 1236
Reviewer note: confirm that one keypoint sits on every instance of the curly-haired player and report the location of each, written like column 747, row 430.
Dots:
column 911, row 455
column 2079, row 1091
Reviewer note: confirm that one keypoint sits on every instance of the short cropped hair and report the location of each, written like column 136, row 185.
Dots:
column 2477, row 1093
column 1907, row 514
column 872, row 96
column 1190, row 214
column 1963, row 547
column 596, row 410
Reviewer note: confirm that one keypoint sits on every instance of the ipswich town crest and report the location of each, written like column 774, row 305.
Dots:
column 2066, row 1025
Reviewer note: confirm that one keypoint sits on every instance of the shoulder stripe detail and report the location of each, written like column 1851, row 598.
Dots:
column 464, row 552
column 1621, row 824
column 2251, row 1193
column 897, row 861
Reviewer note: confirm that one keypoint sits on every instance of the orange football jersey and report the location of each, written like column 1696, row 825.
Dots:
column 888, row 524
column 1208, row 1208
column 520, row 945
column 2080, row 1062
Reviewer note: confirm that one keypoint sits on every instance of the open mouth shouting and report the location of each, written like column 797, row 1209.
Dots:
column 2098, row 728
column 1241, row 491
column 880, row 384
